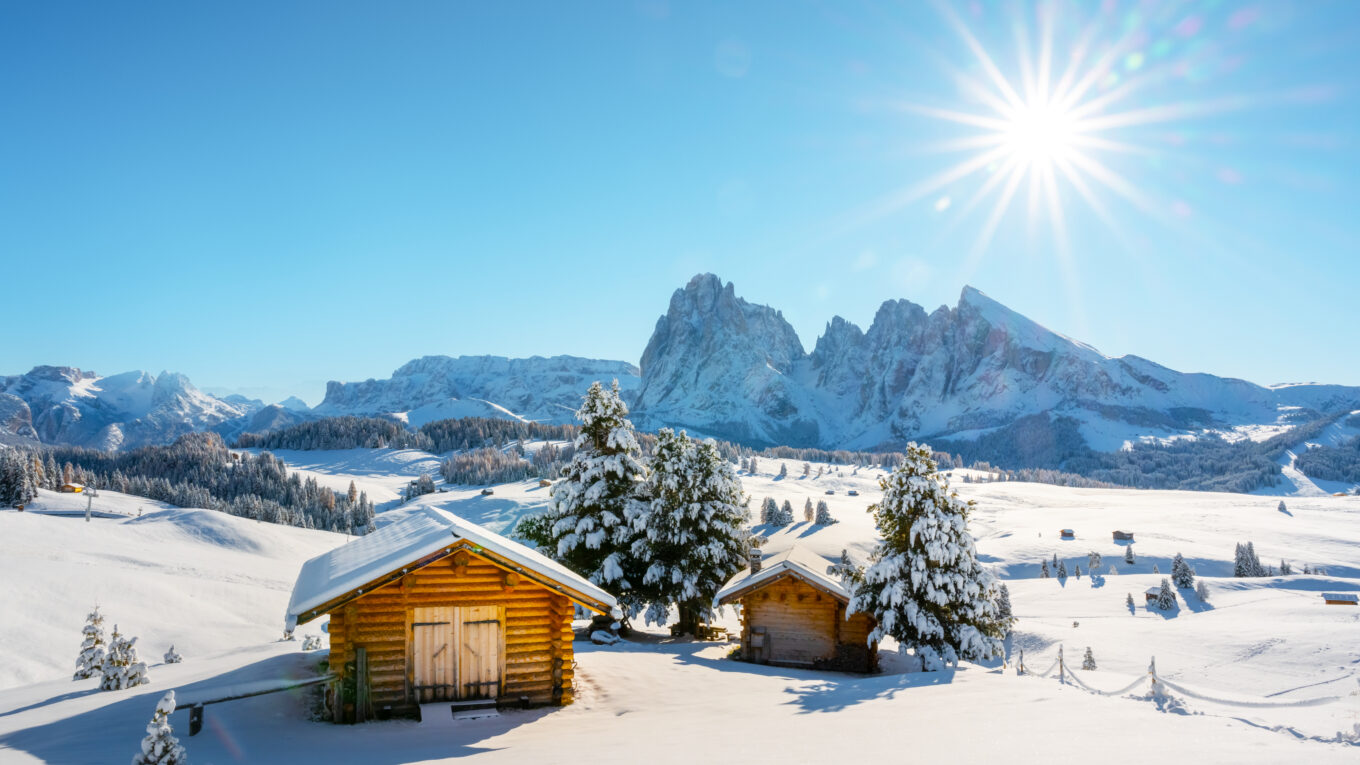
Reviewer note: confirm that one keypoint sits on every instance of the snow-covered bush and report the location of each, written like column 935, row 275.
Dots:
column 160, row 747
column 1202, row 592
column 1088, row 662
column 311, row 642
column 586, row 521
column 924, row 585
column 808, row 513
column 90, row 662
column 1181, row 573
column 171, row 657
column 1166, row 597
column 121, row 667
column 690, row 531
column 823, row 516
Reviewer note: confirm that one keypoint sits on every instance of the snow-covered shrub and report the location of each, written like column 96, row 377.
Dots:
column 1043, row 570
column 1202, row 592
column 586, row 519
column 1088, row 662
column 1181, row 573
column 823, row 517
column 924, row 585
column 690, row 531
column 160, row 747
column 311, row 642
column 90, row 662
column 171, row 657
column 808, row 513
column 1166, row 597
column 121, row 667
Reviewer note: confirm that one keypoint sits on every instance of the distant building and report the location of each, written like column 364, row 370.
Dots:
column 72, row 488
column 1067, row 534
column 487, row 492
column 1341, row 598
column 1152, row 593
column 1123, row 536
column 544, row 482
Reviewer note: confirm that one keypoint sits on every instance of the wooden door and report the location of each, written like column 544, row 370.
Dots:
column 436, row 662
column 480, row 651
column 800, row 627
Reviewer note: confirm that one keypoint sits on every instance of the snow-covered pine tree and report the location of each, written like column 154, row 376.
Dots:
column 924, row 585
column 692, row 530
column 90, row 662
column 1043, row 570
column 783, row 470
column 160, row 747
column 1241, row 566
column 845, row 570
column 171, row 657
column 1166, row 597
column 769, row 510
column 1128, row 555
column 1128, row 601
column 808, row 512
column 1062, row 571
column 1088, row 662
column 755, row 466
column 786, row 513
column 586, row 524
column 1181, row 573
column 1285, row 568
column 1093, row 561
column 823, row 517
column 1257, row 568
column 1003, row 607
column 1156, row 570
column 121, row 667
column 1282, row 508
column 807, row 469
column 1055, row 561
column 1076, row 570
column 1201, row 591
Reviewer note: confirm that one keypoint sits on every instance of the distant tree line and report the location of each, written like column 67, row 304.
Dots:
column 338, row 433
column 1332, row 463
column 199, row 471
column 491, row 465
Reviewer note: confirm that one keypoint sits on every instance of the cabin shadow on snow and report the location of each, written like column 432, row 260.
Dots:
column 269, row 728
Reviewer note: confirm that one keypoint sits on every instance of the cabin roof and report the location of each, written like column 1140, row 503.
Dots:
column 796, row 561
column 424, row 531
column 1154, row 590
column 1352, row 597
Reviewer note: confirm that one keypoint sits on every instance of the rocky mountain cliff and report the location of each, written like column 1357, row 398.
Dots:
column 724, row 367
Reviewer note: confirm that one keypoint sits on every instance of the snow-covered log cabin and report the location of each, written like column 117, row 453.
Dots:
column 793, row 614
column 434, row 608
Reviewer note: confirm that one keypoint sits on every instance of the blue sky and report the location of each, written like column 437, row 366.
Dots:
column 266, row 196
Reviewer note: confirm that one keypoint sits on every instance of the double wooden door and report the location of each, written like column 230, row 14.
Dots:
column 458, row 652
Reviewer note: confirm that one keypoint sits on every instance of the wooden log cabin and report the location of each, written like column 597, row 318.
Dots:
column 433, row 608
column 794, row 614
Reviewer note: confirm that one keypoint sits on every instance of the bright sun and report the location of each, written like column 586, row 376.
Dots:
column 1039, row 134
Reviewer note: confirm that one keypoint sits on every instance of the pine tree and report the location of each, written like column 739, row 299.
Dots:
column 755, row 466
column 1128, row 601
column 1202, row 592
column 1062, row 571
column 160, row 747
column 1093, row 561
column 807, row 470
column 1003, row 607
column 121, row 668
column 1156, row 570
column 808, row 512
column 586, row 524
column 769, row 511
column 1043, row 570
column 171, row 657
column 1166, row 598
column 924, row 585
column 1282, row 508
column 90, row 663
column 691, row 531
column 783, row 470
column 786, row 513
column 1181, row 573
column 1088, row 662
column 845, row 570
column 1128, row 555
column 1257, row 568
column 1285, row 568
column 823, row 517
column 1076, row 570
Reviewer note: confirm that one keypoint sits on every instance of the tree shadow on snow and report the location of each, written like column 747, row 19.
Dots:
column 53, row 700
column 257, row 729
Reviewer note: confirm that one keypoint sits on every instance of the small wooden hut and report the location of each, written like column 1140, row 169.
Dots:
column 1341, row 598
column 1123, row 536
column 1152, row 593
column 72, row 488
column 433, row 608
column 1067, row 534
column 794, row 614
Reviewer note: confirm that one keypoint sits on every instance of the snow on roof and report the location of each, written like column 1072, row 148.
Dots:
column 1352, row 597
column 1153, row 591
column 425, row 530
column 795, row 560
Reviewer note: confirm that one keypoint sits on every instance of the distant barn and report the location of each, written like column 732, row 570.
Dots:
column 1341, row 598
column 1123, row 536
column 1067, row 534
column 793, row 614
column 72, row 488
column 1152, row 593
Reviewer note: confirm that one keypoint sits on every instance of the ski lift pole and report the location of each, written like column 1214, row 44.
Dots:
column 1061, row 668
column 89, row 503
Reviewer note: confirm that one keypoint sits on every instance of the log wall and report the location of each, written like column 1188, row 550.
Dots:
column 804, row 626
column 537, row 631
